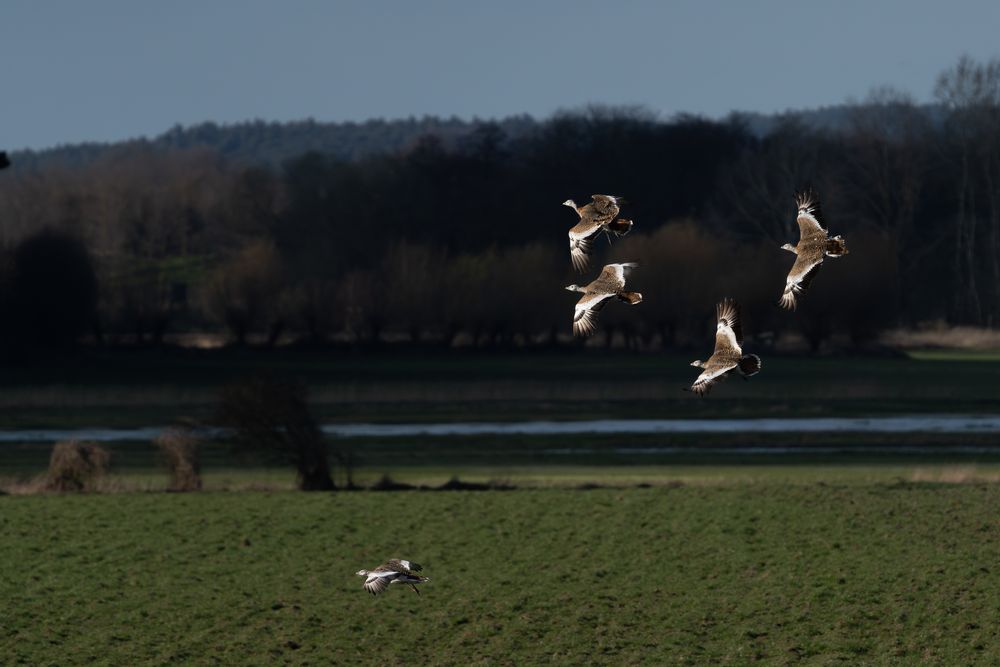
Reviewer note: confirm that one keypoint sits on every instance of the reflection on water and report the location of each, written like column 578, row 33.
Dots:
column 898, row 424
column 783, row 449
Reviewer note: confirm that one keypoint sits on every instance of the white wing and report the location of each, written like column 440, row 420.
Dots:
column 585, row 313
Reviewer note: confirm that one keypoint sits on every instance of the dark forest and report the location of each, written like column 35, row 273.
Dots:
column 457, row 237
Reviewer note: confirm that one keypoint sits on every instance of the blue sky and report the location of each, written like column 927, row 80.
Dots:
column 106, row 70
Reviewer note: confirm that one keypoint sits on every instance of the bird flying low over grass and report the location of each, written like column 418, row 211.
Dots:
column 814, row 245
column 393, row 571
column 610, row 284
column 596, row 217
column 728, row 356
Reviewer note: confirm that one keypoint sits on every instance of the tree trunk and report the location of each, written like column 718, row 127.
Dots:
column 312, row 461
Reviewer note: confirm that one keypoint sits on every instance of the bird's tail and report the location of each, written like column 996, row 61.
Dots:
column 631, row 298
column 749, row 364
column 620, row 227
column 836, row 247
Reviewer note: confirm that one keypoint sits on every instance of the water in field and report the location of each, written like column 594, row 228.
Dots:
column 899, row 424
column 950, row 424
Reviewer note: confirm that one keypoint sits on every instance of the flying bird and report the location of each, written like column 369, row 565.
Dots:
column 610, row 284
column 728, row 356
column 393, row 571
column 596, row 217
column 814, row 246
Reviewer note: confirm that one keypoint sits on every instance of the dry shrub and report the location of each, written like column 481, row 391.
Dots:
column 77, row 466
column 180, row 451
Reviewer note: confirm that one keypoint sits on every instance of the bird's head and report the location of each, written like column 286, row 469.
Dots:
column 574, row 288
column 788, row 246
column 362, row 573
column 570, row 203
column 698, row 364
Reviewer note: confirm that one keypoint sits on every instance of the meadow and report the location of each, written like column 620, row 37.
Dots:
column 862, row 572
column 598, row 557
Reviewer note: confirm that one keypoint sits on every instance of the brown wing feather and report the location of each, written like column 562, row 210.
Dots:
column 376, row 584
column 400, row 565
column 604, row 208
column 728, row 312
column 809, row 216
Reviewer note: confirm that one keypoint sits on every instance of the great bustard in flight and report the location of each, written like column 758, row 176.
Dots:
column 610, row 284
column 596, row 217
column 728, row 356
column 393, row 571
column 814, row 245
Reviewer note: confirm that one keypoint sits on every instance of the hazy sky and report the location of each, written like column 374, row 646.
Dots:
column 104, row 70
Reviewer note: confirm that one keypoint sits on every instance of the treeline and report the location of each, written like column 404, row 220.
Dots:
column 463, row 241
column 271, row 144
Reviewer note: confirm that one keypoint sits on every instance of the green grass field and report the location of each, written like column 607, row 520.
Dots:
column 814, row 573
column 697, row 558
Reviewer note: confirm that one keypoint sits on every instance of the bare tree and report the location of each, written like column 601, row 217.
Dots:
column 672, row 262
column 970, row 92
column 245, row 292
column 888, row 156
column 413, row 282
column 755, row 193
column 272, row 414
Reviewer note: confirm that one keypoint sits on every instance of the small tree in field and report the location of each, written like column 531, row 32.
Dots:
column 272, row 414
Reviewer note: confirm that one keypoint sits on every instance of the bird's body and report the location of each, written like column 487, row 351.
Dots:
column 814, row 246
column 728, row 356
column 596, row 217
column 393, row 571
column 610, row 284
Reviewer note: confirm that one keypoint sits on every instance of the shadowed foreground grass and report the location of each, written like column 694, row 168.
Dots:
column 860, row 574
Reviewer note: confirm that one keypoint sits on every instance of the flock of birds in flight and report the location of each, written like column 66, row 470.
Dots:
column 601, row 216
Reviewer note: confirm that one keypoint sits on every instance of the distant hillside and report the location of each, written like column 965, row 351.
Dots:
column 271, row 143
column 259, row 142
column 835, row 118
